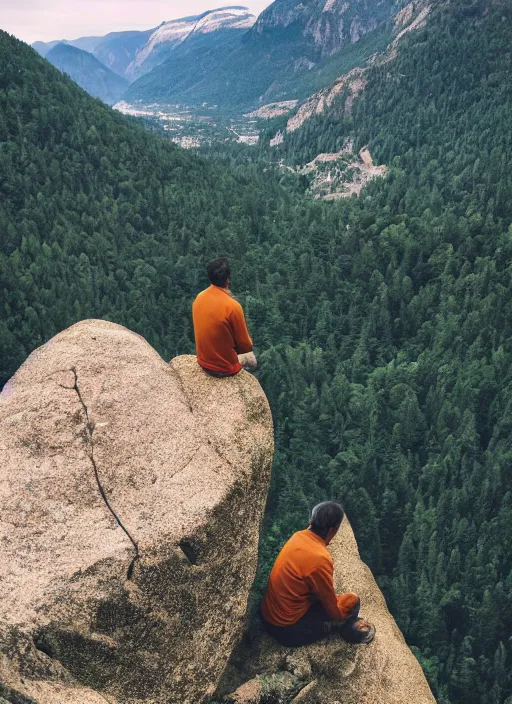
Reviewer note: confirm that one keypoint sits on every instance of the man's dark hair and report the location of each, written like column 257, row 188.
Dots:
column 218, row 271
column 325, row 516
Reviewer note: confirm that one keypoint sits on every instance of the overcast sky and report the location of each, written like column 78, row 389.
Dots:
column 44, row 20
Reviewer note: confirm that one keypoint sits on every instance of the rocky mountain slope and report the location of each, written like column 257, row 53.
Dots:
column 412, row 17
column 289, row 43
column 118, row 49
column 233, row 21
column 345, row 172
column 90, row 74
column 325, row 26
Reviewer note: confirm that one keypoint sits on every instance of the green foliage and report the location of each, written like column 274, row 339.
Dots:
column 99, row 218
column 400, row 400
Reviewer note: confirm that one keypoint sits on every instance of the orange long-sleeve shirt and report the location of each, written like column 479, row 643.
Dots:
column 302, row 569
column 220, row 330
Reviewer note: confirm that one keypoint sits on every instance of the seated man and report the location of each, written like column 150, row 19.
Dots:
column 301, row 606
column 223, row 343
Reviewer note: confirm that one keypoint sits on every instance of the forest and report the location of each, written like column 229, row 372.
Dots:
column 383, row 325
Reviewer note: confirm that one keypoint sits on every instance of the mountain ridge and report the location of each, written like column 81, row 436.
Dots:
column 170, row 35
column 89, row 73
column 132, row 53
column 289, row 42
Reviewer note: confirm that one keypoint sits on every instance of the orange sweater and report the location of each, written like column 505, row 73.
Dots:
column 220, row 330
column 303, row 568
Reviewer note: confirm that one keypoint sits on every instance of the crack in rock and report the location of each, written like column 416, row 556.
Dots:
column 89, row 425
column 177, row 376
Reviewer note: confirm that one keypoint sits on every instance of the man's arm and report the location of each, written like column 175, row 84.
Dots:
column 321, row 583
column 243, row 342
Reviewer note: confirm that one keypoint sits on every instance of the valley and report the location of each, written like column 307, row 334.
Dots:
column 194, row 127
column 329, row 176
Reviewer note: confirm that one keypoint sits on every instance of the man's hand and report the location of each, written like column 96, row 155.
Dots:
column 248, row 361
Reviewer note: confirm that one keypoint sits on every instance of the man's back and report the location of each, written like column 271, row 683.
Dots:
column 300, row 605
column 220, row 330
column 294, row 578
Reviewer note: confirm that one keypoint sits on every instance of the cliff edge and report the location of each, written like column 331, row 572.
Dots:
column 132, row 493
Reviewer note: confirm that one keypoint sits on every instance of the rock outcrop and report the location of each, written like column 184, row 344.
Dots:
column 384, row 672
column 132, row 493
column 353, row 83
column 325, row 25
column 411, row 17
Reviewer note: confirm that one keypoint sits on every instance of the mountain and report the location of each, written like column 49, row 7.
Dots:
column 132, row 54
column 289, row 43
column 115, row 50
column 214, row 28
column 317, row 138
column 324, row 26
column 44, row 47
column 88, row 72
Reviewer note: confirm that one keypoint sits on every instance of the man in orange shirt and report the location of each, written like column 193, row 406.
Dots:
column 300, row 606
column 223, row 343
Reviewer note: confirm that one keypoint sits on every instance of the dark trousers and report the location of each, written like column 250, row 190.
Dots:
column 217, row 375
column 313, row 626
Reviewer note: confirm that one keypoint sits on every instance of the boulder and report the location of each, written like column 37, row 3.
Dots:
column 331, row 671
column 132, row 493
